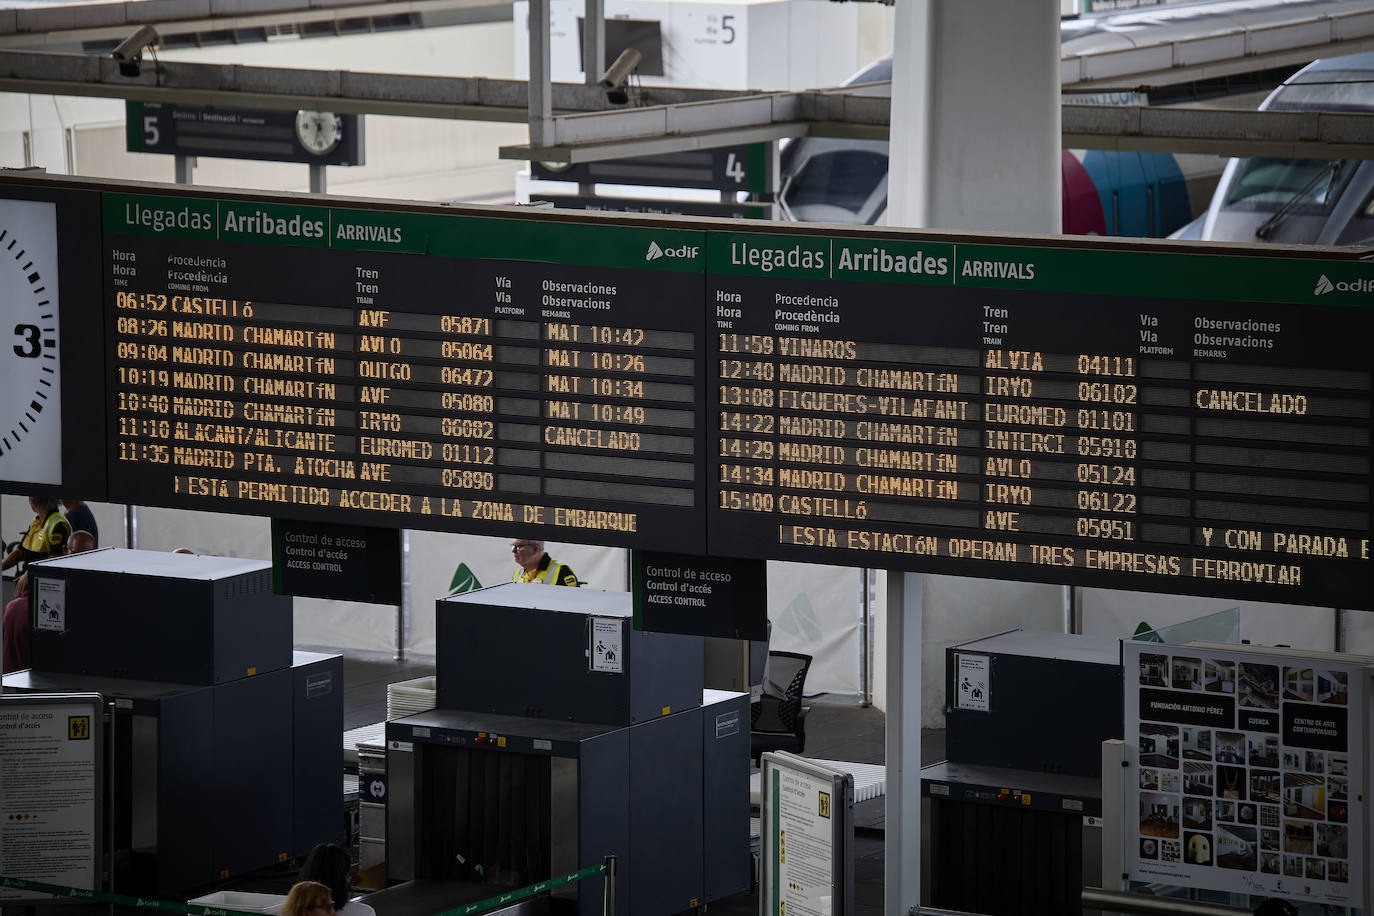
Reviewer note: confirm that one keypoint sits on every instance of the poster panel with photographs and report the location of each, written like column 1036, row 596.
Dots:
column 1246, row 771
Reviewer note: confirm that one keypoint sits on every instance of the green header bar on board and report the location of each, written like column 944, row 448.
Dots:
column 878, row 259
column 457, row 235
column 1182, row 275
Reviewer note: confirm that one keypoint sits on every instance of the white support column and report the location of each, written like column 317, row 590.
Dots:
column 593, row 41
column 541, row 75
column 901, row 868
column 975, row 116
column 1113, row 830
column 593, row 60
column 975, row 144
column 403, row 609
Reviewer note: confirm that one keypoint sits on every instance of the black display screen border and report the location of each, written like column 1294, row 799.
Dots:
column 88, row 430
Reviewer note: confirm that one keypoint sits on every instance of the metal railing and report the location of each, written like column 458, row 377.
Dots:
column 1122, row 902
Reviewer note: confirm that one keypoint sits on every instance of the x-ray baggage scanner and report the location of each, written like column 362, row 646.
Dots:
column 623, row 758
column 222, row 745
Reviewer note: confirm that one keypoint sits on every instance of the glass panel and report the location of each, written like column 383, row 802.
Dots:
column 1223, row 626
column 845, row 180
column 1265, row 183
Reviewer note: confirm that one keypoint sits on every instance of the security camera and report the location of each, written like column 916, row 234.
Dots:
column 613, row 80
column 129, row 52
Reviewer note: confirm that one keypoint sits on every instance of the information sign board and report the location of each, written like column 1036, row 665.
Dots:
column 50, row 790
column 744, row 167
column 808, row 838
column 1246, row 770
column 313, row 137
column 699, row 596
column 345, row 562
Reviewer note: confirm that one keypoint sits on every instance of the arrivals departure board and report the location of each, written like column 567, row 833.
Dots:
column 482, row 375
column 966, row 408
column 1156, row 417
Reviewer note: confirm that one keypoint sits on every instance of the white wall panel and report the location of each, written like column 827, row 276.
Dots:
column 815, row 610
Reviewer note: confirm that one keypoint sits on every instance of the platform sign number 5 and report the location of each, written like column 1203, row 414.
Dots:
column 78, row 728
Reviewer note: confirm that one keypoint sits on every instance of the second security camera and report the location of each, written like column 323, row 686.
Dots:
column 129, row 52
column 613, row 80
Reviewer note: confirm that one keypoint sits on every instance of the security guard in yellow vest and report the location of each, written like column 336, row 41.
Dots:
column 537, row 567
column 47, row 534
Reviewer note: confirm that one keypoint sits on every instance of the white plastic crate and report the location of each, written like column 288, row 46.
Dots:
column 243, row 902
column 407, row 698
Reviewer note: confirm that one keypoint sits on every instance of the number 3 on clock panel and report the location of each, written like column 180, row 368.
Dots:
column 30, row 367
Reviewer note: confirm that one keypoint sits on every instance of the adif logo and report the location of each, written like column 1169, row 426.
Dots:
column 1324, row 285
column 655, row 252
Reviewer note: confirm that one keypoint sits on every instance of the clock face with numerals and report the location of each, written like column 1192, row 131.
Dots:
column 319, row 131
column 30, row 367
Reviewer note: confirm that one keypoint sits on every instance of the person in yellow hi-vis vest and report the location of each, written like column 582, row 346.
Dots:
column 537, row 567
column 47, row 534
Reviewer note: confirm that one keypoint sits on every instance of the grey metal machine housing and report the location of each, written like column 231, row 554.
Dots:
column 627, row 763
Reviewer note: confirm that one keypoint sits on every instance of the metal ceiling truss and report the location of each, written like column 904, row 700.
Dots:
column 661, row 119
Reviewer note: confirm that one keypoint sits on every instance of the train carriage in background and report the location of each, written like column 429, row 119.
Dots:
column 1300, row 201
column 1105, row 192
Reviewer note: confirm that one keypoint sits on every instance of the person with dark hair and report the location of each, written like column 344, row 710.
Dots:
column 331, row 866
column 80, row 541
column 308, row 898
column 82, row 518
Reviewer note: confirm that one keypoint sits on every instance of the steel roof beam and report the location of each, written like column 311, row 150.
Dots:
column 663, row 119
column 1223, row 132
column 664, row 129
column 46, row 26
column 344, row 91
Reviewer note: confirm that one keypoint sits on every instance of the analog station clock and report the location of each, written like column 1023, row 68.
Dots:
column 319, row 131
column 30, row 365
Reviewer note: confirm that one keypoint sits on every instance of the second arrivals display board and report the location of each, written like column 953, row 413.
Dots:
column 1167, row 423
column 1186, row 419
column 1246, row 770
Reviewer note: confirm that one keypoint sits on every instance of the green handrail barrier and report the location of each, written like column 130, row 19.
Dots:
column 482, row 906
column 196, row 909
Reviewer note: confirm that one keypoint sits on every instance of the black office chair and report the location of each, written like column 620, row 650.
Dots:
column 777, row 717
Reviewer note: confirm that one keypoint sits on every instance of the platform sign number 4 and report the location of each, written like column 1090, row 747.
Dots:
column 734, row 168
column 78, row 728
